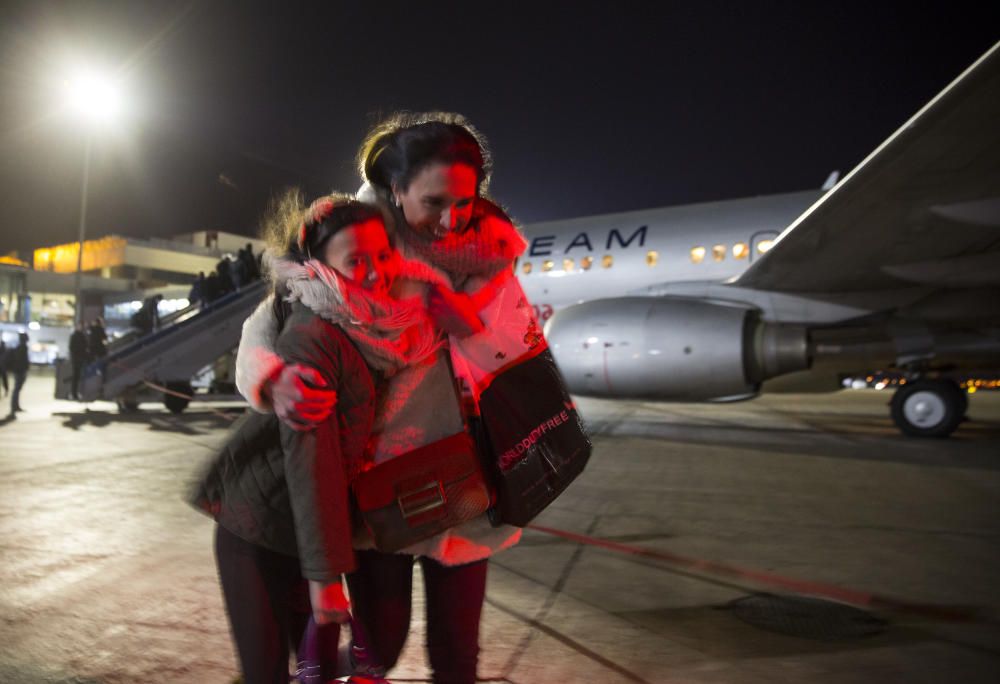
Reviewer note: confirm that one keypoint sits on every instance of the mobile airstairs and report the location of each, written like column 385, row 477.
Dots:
column 162, row 364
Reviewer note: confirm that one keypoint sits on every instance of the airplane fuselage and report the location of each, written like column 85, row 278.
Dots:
column 889, row 269
column 598, row 257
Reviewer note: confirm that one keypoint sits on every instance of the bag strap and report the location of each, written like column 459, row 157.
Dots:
column 489, row 291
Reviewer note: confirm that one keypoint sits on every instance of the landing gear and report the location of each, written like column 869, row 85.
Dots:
column 175, row 403
column 929, row 408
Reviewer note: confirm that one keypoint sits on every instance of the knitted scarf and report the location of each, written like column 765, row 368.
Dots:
column 390, row 333
column 487, row 246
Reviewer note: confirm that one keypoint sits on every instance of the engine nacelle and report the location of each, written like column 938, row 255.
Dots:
column 671, row 348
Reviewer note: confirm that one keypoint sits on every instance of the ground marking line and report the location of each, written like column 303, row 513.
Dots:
column 538, row 621
column 568, row 641
column 843, row 595
column 546, row 607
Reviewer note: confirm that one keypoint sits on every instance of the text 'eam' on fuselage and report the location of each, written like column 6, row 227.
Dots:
column 596, row 257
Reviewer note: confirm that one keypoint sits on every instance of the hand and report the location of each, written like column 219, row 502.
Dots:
column 300, row 398
column 328, row 602
column 454, row 312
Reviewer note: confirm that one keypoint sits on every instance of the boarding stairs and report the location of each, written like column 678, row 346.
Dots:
column 163, row 363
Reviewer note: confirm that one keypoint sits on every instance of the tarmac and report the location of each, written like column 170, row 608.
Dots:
column 700, row 521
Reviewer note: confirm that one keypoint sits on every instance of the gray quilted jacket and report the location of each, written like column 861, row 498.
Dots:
column 288, row 491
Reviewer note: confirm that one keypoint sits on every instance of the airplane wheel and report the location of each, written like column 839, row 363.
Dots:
column 928, row 408
column 174, row 403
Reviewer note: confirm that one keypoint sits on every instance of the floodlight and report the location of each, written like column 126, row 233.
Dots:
column 94, row 96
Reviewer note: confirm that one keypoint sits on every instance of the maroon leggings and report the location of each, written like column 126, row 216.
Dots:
column 380, row 593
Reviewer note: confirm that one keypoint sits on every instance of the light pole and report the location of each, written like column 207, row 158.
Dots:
column 97, row 100
column 77, row 301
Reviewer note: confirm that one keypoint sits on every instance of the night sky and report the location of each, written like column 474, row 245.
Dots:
column 590, row 107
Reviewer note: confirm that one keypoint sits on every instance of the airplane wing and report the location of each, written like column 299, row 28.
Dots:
column 923, row 208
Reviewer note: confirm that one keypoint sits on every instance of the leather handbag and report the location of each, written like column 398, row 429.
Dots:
column 414, row 496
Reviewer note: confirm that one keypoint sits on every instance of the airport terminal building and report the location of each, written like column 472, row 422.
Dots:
column 117, row 274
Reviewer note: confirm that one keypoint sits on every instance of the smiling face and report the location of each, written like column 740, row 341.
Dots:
column 439, row 199
column 362, row 254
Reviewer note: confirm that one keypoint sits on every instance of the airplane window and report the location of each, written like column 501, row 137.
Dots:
column 652, row 256
column 608, row 261
column 586, row 262
column 526, row 267
column 764, row 245
column 719, row 252
column 741, row 250
column 567, row 265
column 697, row 255
column 547, row 265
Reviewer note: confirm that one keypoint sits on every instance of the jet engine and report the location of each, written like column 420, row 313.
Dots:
column 671, row 348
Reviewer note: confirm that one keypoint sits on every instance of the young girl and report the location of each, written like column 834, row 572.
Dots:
column 280, row 495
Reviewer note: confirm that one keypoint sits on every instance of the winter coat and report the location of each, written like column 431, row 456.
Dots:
column 17, row 359
column 416, row 407
column 287, row 490
column 78, row 346
column 96, row 337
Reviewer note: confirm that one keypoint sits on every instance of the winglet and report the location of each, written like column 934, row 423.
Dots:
column 831, row 180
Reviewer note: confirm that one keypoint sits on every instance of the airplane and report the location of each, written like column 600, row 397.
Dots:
column 894, row 267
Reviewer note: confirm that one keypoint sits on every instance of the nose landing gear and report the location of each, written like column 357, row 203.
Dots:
column 929, row 407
